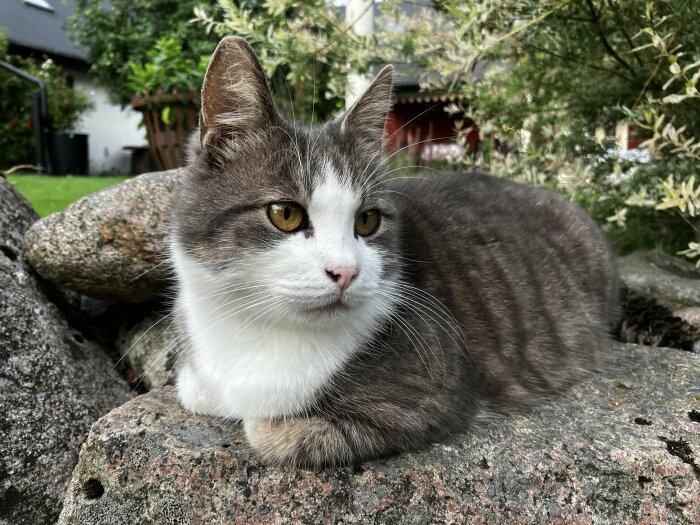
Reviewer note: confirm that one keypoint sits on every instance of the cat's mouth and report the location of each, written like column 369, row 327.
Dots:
column 336, row 304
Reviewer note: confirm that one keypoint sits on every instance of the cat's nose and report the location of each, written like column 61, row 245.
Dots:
column 342, row 276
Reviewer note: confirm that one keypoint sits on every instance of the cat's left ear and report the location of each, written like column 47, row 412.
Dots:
column 236, row 98
column 365, row 120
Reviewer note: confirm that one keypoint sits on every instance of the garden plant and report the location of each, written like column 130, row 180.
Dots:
column 66, row 105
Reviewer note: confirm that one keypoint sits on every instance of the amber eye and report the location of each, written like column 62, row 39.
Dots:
column 366, row 222
column 287, row 216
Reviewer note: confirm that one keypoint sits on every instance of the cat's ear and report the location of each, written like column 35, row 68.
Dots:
column 365, row 120
column 235, row 94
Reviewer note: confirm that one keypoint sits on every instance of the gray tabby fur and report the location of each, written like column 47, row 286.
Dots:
column 512, row 288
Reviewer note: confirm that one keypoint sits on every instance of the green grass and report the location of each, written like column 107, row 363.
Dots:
column 49, row 194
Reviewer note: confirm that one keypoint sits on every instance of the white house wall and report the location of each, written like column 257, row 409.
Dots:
column 109, row 129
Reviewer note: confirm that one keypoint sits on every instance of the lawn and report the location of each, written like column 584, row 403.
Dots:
column 49, row 194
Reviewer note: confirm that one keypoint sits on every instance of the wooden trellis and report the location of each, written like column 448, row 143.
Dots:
column 167, row 141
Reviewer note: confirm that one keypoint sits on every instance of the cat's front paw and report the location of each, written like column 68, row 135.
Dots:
column 311, row 442
column 192, row 394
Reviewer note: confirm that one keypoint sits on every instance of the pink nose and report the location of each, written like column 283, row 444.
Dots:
column 342, row 276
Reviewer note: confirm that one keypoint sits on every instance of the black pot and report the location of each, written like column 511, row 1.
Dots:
column 69, row 153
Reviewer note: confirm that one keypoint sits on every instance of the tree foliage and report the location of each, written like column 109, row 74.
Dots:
column 550, row 78
column 306, row 48
column 166, row 68
column 559, row 71
column 121, row 32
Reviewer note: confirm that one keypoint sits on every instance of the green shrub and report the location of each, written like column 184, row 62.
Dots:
column 65, row 105
column 120, row 33
column 166, row 68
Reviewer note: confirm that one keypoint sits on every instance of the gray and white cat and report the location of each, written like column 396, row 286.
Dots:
column 343, row 316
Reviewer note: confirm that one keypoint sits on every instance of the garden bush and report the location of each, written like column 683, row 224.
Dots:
column 65, row 105
column 122, row 32
column 561, row 71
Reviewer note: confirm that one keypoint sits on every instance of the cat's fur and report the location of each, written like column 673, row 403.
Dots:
column 474, row 293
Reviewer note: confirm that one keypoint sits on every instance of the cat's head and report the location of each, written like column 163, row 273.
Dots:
column 293, row 216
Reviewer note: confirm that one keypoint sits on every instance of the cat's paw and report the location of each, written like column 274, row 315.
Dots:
column 311, row 442
column 192, row 394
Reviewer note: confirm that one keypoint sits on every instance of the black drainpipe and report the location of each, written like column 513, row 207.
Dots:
column 40, row 114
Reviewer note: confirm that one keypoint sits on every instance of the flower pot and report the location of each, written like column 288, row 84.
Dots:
column 68, row 153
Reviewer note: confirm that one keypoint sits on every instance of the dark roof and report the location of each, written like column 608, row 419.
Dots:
column 38, row 29
column 408, row 77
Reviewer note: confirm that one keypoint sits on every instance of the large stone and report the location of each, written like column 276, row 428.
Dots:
column 621, row 447
column 16, row 216
column 670, row 281
column 149, row 348
column 53, row 383
column 110, row 244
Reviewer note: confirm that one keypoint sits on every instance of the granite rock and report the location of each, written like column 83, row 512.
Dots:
column 671, row 281
column 110, row 244
column 620, row 447
column 16, row 216
column 149, row 347
column 54, row 384
column 690, row 315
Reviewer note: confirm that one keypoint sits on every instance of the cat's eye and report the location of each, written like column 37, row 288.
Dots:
column 287, row 216
column 366, row 222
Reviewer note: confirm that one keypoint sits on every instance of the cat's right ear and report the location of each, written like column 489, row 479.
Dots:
column 236, row 97
column 366, row 119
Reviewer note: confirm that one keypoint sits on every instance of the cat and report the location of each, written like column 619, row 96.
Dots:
column 344, row 316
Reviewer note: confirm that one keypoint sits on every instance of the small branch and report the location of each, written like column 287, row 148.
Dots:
column 596, row 20
column 620, row 23
column 584, row 64
column 656, row 69
column 648, row 81
column 535, row 20
column 11, row 170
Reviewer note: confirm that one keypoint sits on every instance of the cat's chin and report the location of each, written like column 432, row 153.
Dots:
column 324, row 311
column 346, row 309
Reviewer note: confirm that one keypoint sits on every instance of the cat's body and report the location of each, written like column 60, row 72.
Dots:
column 334, row 343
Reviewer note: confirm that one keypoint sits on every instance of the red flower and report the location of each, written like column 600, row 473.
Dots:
column 12, row 122
column 30, row 122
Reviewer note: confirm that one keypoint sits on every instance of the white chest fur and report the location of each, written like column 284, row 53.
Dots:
column 243, row 368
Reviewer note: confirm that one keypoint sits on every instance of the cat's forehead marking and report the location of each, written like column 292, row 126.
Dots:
column 333, row 201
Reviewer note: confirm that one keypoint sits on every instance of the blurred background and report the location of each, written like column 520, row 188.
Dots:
column 596, row 99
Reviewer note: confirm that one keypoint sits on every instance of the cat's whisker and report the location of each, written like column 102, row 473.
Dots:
column 168, row 348
column 408, row 302
column 294, row 124
column 410, row 333
column 438, row 308
column 415, row 166
column 227, row 314
column 429, row 308
column 320, row 129
column 419, row 312
column 386, row 141
column 403, row 177
column 295, row 140
column 268, row 304
column 368, row 185
column 166, row 262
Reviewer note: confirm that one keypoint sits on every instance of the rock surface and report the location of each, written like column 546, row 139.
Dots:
column 148, row 348
column 53, row 383
column 621, row 447
column 110, row 244
column 671, row 281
